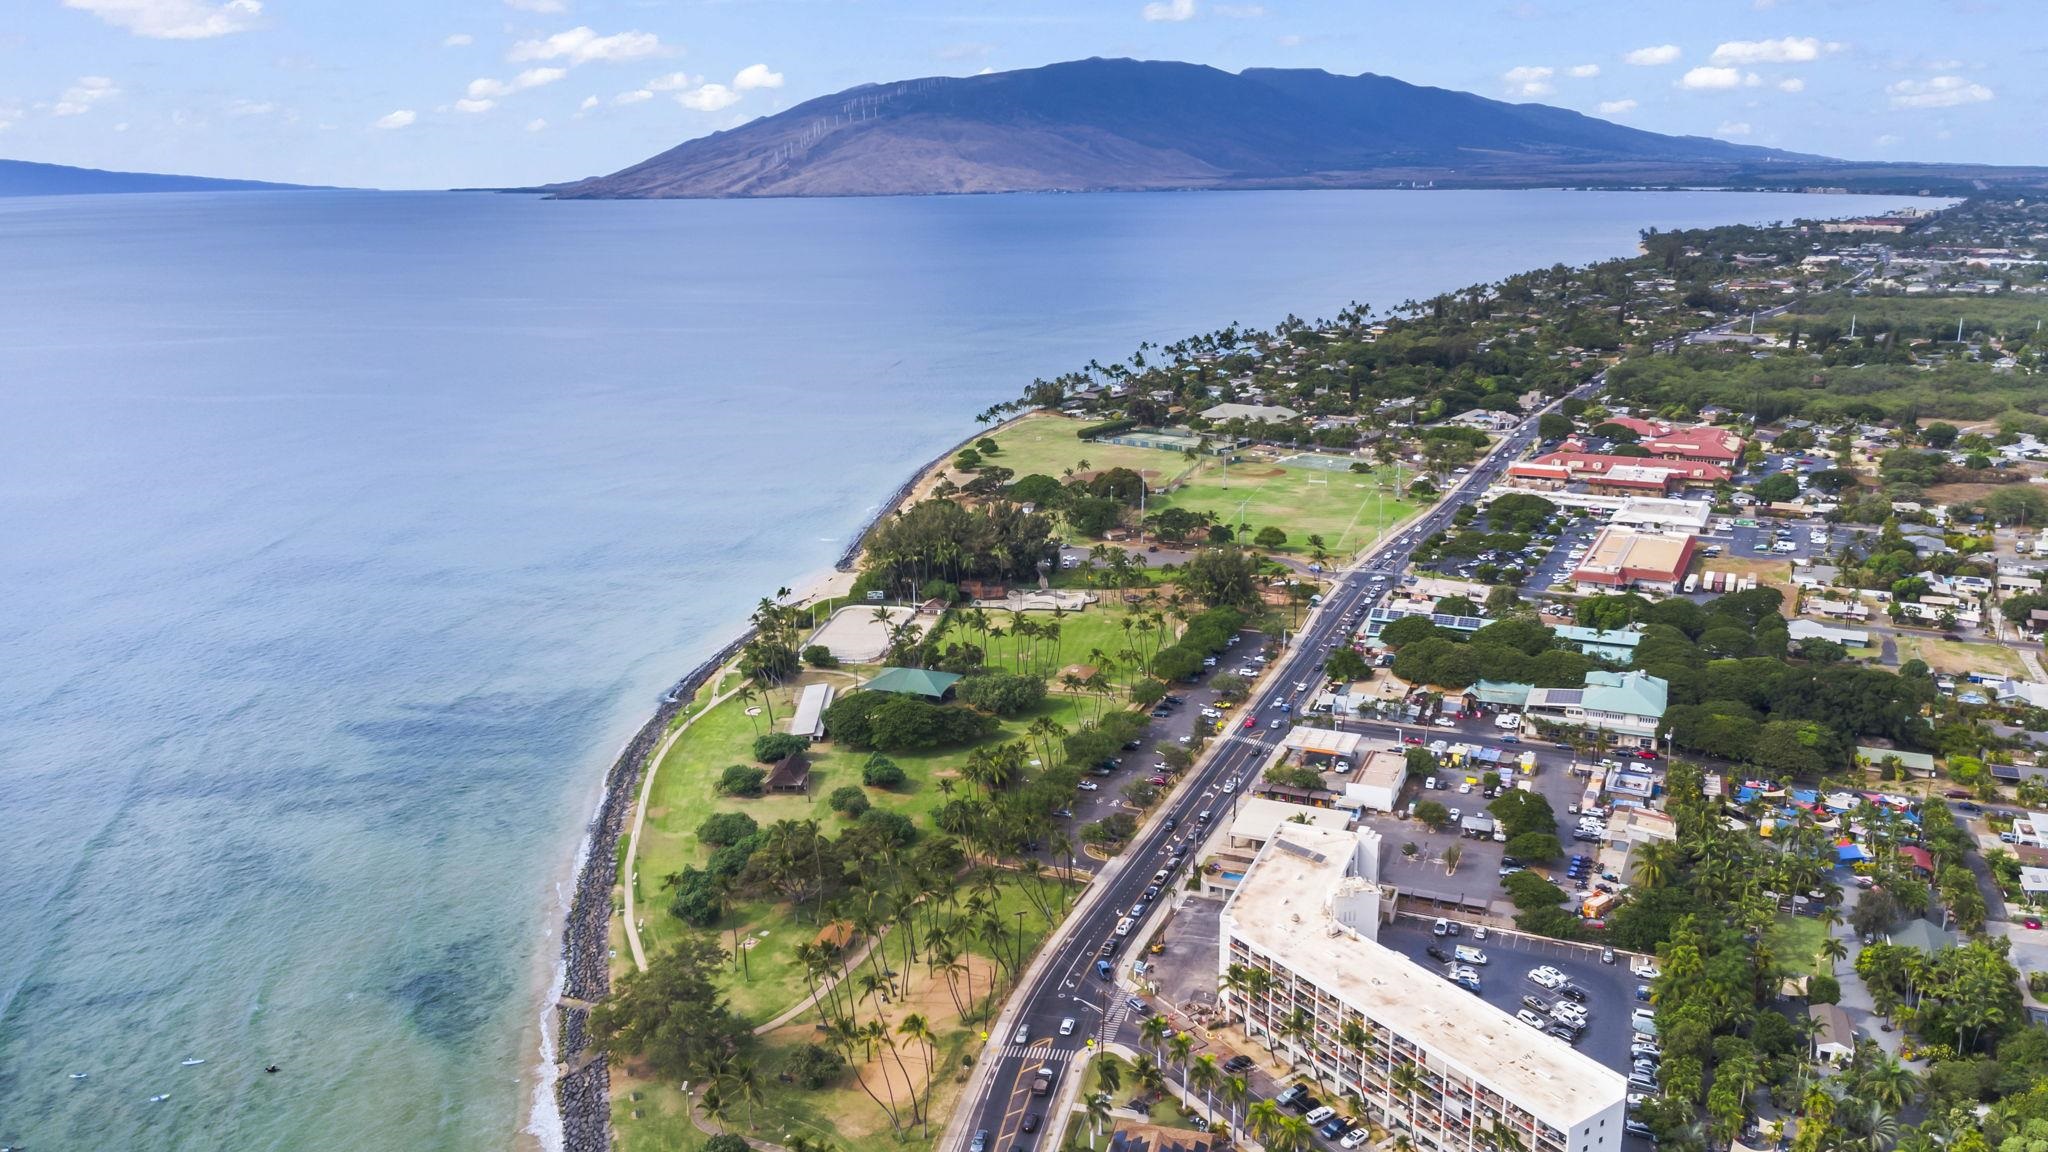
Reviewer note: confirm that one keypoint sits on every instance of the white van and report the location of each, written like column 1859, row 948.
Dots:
column 1470, row 955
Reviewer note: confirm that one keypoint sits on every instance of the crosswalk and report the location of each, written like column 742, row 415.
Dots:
column 1035, row 1052
column 1114, row 1018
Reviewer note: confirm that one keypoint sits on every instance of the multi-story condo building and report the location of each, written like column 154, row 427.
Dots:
column 1304, row 971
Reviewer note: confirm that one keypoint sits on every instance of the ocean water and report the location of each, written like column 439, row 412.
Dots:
column 344, row 537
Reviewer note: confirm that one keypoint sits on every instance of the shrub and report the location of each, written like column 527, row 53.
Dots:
column 848, row 800
column 812, row 1066
column 1530, row 891
column 819, row 656
column 1823, row 989
column 1002, row 693
column 697, row 898
column 893, row 827
column 726, row 1142
column 881, row 772
column 1433, row 814
column 726, row 828
column 775, row 745
column 741, row 780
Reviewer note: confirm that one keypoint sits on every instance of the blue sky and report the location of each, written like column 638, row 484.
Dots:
column 438, row 93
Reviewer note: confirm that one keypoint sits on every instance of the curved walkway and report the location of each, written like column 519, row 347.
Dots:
column 632, row 877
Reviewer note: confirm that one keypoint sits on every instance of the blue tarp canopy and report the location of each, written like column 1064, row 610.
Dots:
column 1847, row 853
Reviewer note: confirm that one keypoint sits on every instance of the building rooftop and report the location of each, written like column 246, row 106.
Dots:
column 1619, row 555
column 912, row 682
column 1257, row 817
column 1249, row 412
column 1284, row 909
column 1324, row 740
column 1605, row 637
column 1633, row 693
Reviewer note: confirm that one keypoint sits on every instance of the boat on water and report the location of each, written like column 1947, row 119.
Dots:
column 189, row 1063
column 79, row 1075
column 159, row 1099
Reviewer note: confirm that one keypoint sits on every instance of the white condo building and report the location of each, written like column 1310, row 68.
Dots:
column 1356, row 1014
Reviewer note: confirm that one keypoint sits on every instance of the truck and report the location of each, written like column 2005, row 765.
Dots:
column 1528, row 762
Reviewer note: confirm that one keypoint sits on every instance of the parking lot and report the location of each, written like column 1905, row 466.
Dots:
column 1610, row 990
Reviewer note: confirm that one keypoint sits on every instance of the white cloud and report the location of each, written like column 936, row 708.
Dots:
column 1615, row 107
column 581, row 45
column 1732, row 128
column 1703, row 77
column 1529, row 80
column 458, row 40
column 1289, row 40
column 1792, row 84
column 542, row 6
column 708, row 98
column 84, row 96
column 1583, row 71
column 1888, row 140
column 536, row 124
column 399, row 119
column 1169, row 11
column 636, row 96
column 756, row 76
column 1789, row 50
column 467, row 105
column 485, row 87
column 1660, row 54
column 1938, row 92
column 174, row 19
column 9, row 117
column 1240, row 11
column 589, row 102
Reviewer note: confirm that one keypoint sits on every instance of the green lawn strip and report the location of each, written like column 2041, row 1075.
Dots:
column 1796, row 941
column 650, row 1117
column 1347, row 509
column 1164, row 1111
column 1045, row 444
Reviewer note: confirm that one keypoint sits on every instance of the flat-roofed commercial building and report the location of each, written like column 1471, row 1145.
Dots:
column 1299, row 936
column 1621, row 559
column 1670, row 517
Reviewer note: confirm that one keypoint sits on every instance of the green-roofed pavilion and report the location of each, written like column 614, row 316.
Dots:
column 913, row 682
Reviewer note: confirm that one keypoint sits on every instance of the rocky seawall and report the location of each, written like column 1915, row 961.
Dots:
column 582, row 1092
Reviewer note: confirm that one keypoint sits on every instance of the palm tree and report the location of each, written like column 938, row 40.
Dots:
column 746, row 1084
column 1262, row 1120
column 1154, row 1031
column 1453, row 852
column 1109, row 1072
column 1832, row 952
column 1236, row 1091
column 1182, row 1046
column 1204, row 1076
column 1098, row 1115
column 1890, row 1083
column 919, row 1032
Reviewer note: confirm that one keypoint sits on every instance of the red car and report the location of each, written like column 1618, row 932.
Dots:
column 1159, row 780
column 1411, row 739
column 2033, row 922
column 1645, row 754
column 1249, row 722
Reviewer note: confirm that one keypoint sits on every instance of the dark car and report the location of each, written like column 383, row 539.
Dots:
column 1438, row 954
column 1573, row 992
column 1031, row 1122
column 980, row 1141
column 1238, row 1063
column 1334, row 1127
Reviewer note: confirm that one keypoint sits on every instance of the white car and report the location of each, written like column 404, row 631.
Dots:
column 1531, row 1019
column 1568, row 1012
column 1089, row 786
column 1444, row 722
column 1643, row 968
column 1548, row 977
column 1353, row 1138
column 1067, row 1026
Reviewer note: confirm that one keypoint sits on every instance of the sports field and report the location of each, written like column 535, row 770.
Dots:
column 1312, row 494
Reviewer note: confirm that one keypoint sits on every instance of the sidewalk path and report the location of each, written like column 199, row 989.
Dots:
column 632, row 876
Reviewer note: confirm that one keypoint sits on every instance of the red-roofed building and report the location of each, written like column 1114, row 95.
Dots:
column 1592, row 467
column 1703, row 443
column 1645, row 429
column 1918, row 857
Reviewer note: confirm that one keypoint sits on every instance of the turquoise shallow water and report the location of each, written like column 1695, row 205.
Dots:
column 345, row 536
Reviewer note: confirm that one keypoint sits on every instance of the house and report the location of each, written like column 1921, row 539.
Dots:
column 1702, row 444
column 1918, row 763
column 1622, row 707
column 914, row 682
column 1627, row 831
column 2034, row 882
column 1834, row 1038
column 1380, row 777
column 1813, row 630
column 1924, row 935
column 1613, row 644
column 1814, row 576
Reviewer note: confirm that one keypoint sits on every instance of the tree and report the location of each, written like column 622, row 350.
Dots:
column 1822, row 989
column 673, row 1015
column 1433, row 814
column 1453, row 853
column 881, row 772
column 1270, row 538
column 775, row 746
column 848, row 800
column 1345, row 663
column 725, row 828
column 741, row 780
column 1778, row 488
column 1553, row 426
column 1939, row 434
column 1534, row 846
column 1408, row 630
column 1222, row 577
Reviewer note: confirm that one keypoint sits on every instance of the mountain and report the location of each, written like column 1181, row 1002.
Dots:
column 1090, row 125
column 23, row 178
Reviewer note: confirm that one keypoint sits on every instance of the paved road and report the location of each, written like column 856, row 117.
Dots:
column 1065, row 987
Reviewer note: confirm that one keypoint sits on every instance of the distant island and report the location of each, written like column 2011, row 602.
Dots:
column 1131, row 125
column 26, row 178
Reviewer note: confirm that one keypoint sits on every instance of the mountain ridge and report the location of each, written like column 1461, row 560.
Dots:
column 1119, row 124
column 30, row 178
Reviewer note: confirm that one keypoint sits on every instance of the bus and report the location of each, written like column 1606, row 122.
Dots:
column 1692, row 582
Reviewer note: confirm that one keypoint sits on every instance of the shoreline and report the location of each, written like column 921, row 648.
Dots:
column 581, row 1079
